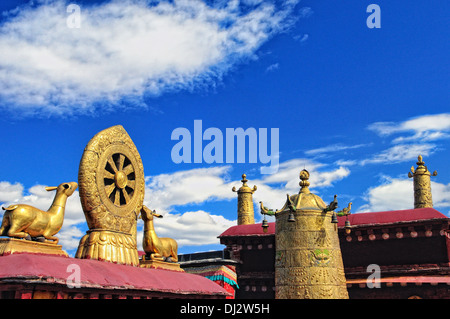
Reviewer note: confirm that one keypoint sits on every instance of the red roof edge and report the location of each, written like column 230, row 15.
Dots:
column 359, row 219
column 391, row 217
column 105, row 275
column 248, row 230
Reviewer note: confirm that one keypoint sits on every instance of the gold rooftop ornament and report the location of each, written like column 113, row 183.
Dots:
column 246, row 214
column 422, row 184
column 159, row 252
column 112, row 185
column 308, row 260
column 27, row 222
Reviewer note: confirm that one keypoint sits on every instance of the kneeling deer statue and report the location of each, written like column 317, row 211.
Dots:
column 164, row 249
column 25, row 221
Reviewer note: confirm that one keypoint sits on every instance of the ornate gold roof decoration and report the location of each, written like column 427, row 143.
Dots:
column 304, row 176
column 308, row 260
column 37, row 227
column 245, row 188
column 111, row 180
column 159, row 252
column 422, row 184
column 246, row 214
column 301, row 201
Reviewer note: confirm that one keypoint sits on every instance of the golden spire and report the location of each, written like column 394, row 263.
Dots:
column 246, row 214
column 304, row 176
column 422, row 184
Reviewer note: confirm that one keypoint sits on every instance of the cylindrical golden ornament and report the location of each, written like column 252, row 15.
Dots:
column 308, row 260
column 246, row 214
column 422, row 184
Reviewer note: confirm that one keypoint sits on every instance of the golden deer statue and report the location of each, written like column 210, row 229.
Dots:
column 162, row 249
column 25, row 221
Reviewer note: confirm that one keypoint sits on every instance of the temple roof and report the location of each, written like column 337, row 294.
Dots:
column 304, row 200
column 248, row 230
column 104, row 275
column 360, row 219
column 391, row 217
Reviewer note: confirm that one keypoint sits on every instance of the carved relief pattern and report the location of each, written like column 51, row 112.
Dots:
column 422, row 184
column 422, row 191
column 109, row 246
column 111, row 186
column 99, row 211
column 245, row 209
column 308, row 261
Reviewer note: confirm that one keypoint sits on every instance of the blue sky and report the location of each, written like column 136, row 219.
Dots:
column 353, row 105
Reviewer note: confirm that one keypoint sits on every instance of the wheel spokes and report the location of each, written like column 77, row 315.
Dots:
column 108, row 175
column 112, row 164
column 121, row 161
column 131, row 184
column 119, row 179
column 117, row 197
column 109, row 189
column 126, row 196
column 128, row 170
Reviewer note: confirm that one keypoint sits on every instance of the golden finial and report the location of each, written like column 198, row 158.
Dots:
column 244, row 180
column 304, row 176
column 420, row 161
column 244, row 188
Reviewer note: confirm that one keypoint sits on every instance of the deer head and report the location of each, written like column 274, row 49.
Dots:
column 65, row 188
column 147, row 214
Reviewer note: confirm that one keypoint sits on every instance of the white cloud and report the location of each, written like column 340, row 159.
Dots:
column 10, row 192
column 334, row 148
column 69, row 237
column 306, row 12
column 165, row 191
column 272, row 67
column 441, row 195
column 346, row 162
column 392, row 194
column 192, row 228
column 168, row 193
column 272, row 189
column 425, row 128
column 398, row 194
column 301, row 37
column 125, row 50
column 400, row 153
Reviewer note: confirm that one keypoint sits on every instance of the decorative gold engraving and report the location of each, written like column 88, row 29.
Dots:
column 108, row 246
column 246, row 214
column 112, row 185
column 308, row 260
column 422, row 184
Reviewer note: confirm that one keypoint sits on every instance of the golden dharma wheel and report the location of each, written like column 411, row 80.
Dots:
column 117, row 181
column 112, row 185
column 111, row 181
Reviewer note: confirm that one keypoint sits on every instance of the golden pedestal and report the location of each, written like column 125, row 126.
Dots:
column 156, row 264
column 108, row 246
column 9, row 246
